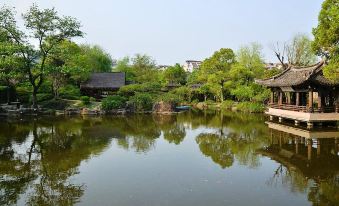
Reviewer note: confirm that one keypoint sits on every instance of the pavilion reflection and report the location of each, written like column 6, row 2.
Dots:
column 314, row 153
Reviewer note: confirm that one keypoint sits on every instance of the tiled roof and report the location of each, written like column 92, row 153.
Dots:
column 109, row 80
column 294, row 76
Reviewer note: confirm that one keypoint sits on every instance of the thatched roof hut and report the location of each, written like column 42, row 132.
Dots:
column 101, row 83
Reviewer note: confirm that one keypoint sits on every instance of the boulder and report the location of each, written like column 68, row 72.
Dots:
column 164, row 107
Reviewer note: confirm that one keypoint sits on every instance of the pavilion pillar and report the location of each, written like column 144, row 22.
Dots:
column 320, row 101
column 280, row 101
column 272, row 97
column 310, row 100
column 297, row 99
column 337, row 102
column 288, row 94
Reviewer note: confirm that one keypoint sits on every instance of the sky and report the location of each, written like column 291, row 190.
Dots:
column 172, row 31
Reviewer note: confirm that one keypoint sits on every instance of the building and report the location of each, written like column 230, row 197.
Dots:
column 191, row 65
column 162, row 67
column 303, row 94
column 270, row 66
column 100, row 85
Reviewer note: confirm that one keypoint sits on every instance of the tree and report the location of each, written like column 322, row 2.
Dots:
column 326, row 38
column 175, row 75
column 97, row 58
column 299, row 51
column 10, row 63
column 214, row 71
column 326, row 34
column 144, row 69
column 48, row 30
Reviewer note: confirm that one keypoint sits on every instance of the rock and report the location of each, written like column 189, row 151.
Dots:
column 163, row 107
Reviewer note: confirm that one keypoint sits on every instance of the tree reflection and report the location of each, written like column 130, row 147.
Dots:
column 40, row 166
column 217, row 148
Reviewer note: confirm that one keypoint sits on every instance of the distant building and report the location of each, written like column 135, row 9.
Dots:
column 100, row 85
column 162, row 67
column 270, row 66
column 191, row 65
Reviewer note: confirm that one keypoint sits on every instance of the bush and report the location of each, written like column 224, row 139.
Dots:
column 23, row 94
column 132, row 89
column 54, row 104
column 69, row 92
column 92, row 99
column 252, row 107
column 41, row 97
column 227, row 104
column 142, row 101
column 170, row 98
column 113, row 102
column 85, row 100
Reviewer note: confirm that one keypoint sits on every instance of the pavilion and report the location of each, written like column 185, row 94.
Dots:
column 303, row 94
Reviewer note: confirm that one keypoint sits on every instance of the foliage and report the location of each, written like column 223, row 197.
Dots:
column 251, row 107
column 85, row 100
column 70, row 92
column 175, row 75
column 299, row 51
column 170, row 98
column 132, row 89
column 326, row 38
column 42, row 97
column 48, row 29
column 326, row 34
column 55, row 104
column 113, row 102
column 142, row 101
column 227, row 104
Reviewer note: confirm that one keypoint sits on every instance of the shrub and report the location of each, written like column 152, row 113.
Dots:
column 170, row 98
column 132, row 89
column 252, row 107
column 92, row 99
column 142, row 101
column 23, row 94
column 85, row 100
column 113, row 102
column 41, row 97
column 54, row 104
column 227, row 104
column 69, row 92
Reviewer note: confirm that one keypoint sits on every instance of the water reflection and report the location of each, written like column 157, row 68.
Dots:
column 309, row 161
column 41, row 158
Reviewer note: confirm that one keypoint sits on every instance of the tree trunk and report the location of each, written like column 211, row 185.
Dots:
column 205, row 97
column 34, row 98
column 8, row 94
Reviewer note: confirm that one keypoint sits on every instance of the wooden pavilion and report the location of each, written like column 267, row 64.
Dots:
column 102, row 84
column 303, row 94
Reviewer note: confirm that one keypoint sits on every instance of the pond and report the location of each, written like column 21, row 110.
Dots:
column 192, row 158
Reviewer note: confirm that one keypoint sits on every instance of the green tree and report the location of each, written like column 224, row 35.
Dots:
column 214, row 71
column 299, row 51
column 10, row 63
column 175, row 75
column 46, row 28
column 97, row 58
column 326, row 38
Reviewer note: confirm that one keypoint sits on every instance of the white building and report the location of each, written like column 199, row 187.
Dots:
column 191, row 65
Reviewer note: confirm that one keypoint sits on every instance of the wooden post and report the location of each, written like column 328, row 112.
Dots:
column 318, row 147
column 320, row 105
column 310, row 100
column 288, row 94
column 297, row 98
column 280, row 98
column 272, row 97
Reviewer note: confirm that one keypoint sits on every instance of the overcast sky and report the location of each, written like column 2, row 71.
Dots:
column 176, row 30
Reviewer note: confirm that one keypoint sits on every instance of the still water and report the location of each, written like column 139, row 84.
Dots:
column 193, row 158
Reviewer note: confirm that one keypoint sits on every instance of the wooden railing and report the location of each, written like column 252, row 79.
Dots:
column 302, row 108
